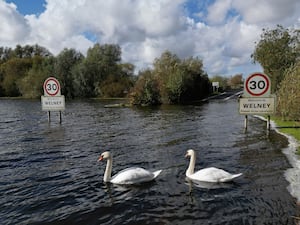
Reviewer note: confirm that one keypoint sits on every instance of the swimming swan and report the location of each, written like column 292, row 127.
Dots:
column 133, row 175
column 211, row 174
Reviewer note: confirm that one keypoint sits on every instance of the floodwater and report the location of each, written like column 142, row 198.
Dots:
column 50, row 174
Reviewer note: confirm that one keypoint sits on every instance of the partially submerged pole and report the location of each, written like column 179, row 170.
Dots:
column 59, row 116
column 246, row 122
column 268, row 122
column 49, row 117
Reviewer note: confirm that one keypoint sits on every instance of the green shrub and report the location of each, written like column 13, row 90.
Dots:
column 146, row 90
column 288, row 97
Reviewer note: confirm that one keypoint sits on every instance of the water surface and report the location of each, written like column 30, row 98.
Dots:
column 50, row 174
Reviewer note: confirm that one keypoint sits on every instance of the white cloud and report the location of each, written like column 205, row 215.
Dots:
column 268, row 11
column 224, row 39
column 218, row 11
column 13, row 26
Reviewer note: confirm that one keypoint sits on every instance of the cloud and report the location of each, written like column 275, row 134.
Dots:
column 218, row 11
column 223, row 36
column 268, row 11
column 13, row 26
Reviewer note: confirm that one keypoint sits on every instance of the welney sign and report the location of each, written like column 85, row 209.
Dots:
column 257, row 97
column 52, row 99
column 257, row 106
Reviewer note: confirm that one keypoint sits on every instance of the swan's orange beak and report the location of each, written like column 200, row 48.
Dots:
column 100, row 158
column 186, row 155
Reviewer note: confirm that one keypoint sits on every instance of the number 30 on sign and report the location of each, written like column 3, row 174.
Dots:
column 51, row 87
column 257, row 85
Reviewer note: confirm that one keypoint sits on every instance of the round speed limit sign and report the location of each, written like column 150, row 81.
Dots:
column 257, row 85
column 51, row 87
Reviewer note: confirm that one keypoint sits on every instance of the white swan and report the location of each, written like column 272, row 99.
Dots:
column 133, row 175
column 211, row 174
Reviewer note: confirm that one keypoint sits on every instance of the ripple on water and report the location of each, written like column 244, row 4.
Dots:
column 50, row 174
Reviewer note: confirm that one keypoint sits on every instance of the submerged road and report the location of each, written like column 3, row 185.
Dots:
column 226, row 95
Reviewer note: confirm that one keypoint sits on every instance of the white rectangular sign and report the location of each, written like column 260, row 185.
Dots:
column 257, row 106
column 53, row 103
column 215, row 84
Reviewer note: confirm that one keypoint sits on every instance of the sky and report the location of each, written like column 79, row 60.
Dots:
column 222, row 33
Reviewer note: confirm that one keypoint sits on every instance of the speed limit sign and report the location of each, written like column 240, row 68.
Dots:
column 51, row 87
column 257, row 85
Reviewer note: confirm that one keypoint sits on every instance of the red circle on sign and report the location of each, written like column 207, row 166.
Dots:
column 264, row 90
column 48, row 89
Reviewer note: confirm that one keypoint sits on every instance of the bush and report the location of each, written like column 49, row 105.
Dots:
column 172, row 81
column 146, row 90
column 289, row 94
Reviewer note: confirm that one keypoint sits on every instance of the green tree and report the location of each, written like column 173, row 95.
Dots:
column 175, row 86
column 119, row 83
column 223, row 82
column 236, row 81
column 146, row 90
column 276, row 52
column 100, row 62
column 181, row 80
column 30, row 51
column 164, row 67
column 16, row 69
column 173, row 81
column 80, row 83
column 289, row 94
column 196, row 82
column 13, row 70
column 65, row 62
column 31, row 85
column 5, row 54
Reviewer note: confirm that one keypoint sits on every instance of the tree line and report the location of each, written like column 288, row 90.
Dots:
column 101, row 74
column 278, row 52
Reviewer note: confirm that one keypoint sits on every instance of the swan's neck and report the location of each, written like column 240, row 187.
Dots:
column 190, row 169
column 107, row 173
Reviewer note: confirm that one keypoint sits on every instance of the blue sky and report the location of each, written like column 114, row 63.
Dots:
column 220, row 32
column 26, row 7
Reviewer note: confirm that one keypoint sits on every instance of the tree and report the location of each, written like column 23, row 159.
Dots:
column 223, row 82
column 13, row 70
column 181, row 80
column 178, row 81
column 29, row 51
column 31, row 85
column 100, row 62
column 65, row 62
column 164, row 67
column 196, row 82
column 289, row 94
column 5, row 54
column 276, row 52
column 236, row 81
column 119, row 83
column 146, row 90
column 19, row 68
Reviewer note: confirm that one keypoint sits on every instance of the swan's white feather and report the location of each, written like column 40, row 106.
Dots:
column 213, row 174
column 133, row 175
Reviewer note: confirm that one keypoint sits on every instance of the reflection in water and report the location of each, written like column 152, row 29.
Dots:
column 207, row 185
column 50, row 175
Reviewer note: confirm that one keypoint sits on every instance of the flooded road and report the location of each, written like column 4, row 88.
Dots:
column 50, row 174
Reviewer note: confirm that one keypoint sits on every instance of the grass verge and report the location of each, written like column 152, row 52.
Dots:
column 291, row 128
